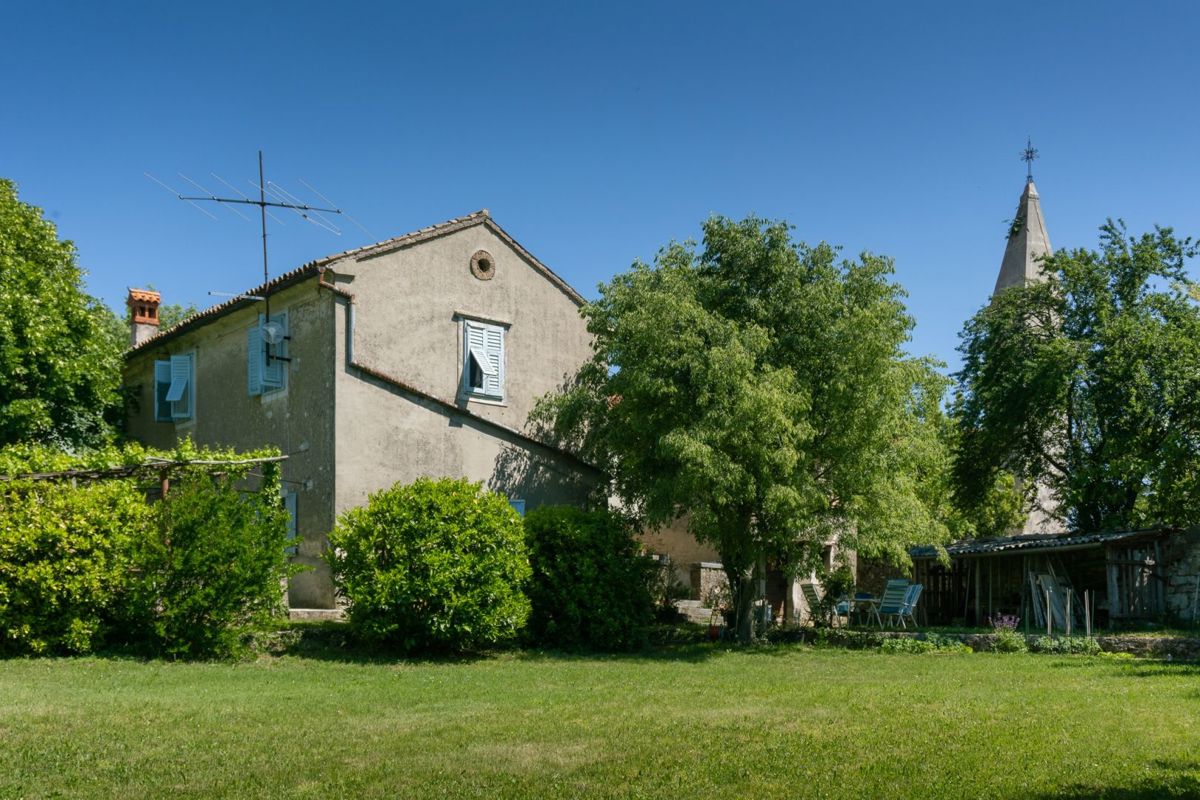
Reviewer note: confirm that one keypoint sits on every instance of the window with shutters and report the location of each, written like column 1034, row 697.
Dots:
column 175, row 388
column 483, row 360
column 267, row 355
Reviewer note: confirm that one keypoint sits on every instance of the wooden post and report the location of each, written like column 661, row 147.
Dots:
column 991, row 581
column 1026, row 610
column 1049, row 616
column 1087, row 611
column 164, row 483
column 1160, row 580
column 978, row 618
column 1114, row 596
column 1068, row 620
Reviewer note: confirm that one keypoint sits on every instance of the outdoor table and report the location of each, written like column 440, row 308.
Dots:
column 868, row 602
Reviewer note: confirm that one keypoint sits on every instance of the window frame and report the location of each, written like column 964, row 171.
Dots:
column 166, row 372
column 259, row 382
column 469, row 361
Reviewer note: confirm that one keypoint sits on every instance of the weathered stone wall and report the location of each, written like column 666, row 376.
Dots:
column 707, row 577
column 1181, row 557
column 676, row 541
column 297, row 419
column 872, row 575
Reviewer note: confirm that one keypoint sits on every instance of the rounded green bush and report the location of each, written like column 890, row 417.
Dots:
column 64, row 562
column 434, row 565
column 590, row 586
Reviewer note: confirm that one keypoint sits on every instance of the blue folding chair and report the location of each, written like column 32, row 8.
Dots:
column 891, row 605
column 910, row 604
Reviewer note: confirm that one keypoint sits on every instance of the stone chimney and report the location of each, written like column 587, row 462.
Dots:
column 143, row 315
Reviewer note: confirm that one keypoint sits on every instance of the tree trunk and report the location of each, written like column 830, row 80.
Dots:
column 743, row 592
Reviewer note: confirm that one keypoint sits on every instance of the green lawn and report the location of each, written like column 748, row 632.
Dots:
column 682, row 723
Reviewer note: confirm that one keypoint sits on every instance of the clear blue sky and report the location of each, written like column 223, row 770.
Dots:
column 597, row 132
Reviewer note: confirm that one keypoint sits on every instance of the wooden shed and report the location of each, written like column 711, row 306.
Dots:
column 1118, row 575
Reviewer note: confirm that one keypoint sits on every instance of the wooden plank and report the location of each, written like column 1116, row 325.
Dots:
column 1160, row 600
column 1114, row 598
column 978, row 617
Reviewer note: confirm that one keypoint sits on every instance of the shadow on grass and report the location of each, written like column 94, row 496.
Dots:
column 1167, row 779
column 335, row 642
column 1132, row 667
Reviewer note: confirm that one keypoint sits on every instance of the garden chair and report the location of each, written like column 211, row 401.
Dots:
column 892, row 603
column 843, row 608
column 910, row 604
column 811, row 599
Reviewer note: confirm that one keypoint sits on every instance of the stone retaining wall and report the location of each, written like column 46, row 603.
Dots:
column 1182, row 556
column 707, row 577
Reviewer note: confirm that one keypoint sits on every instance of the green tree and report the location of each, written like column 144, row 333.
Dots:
column 432, row 565
column 759, row 387
column 59, row 359
column 171, row 314
column 1089, row 383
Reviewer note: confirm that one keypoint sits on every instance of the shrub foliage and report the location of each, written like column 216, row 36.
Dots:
column 211, row 565
column 92, row 562
column 64, row 562
column 590, row 586
column 433, row 565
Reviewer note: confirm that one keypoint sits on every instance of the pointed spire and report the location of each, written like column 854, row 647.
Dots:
column 1027, row 242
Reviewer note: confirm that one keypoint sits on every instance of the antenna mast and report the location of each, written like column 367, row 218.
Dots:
column 263, row 204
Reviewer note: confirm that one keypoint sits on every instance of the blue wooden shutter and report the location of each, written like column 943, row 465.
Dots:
column 162, row 384
column 254, row 361
column 493, row 382
column 182, row 392
column 273, row 369
column 474, row 348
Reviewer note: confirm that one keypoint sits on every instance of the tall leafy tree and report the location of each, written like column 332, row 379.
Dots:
column 59, row 353
column 759, row 387
column 1089, row 383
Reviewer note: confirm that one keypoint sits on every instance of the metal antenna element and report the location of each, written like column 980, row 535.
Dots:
column 263, row 204
column 180, row 196
column 372, row 236
column 1028, row 155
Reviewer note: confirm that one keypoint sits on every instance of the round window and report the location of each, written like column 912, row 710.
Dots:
column 483, row 266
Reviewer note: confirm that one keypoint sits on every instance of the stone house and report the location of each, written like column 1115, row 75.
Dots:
column 418, row 356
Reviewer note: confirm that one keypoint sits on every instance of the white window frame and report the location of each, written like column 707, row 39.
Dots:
column 483, row 341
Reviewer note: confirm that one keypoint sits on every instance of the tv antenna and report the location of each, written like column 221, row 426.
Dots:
column 272, row 330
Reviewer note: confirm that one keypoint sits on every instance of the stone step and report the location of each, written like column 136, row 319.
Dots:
column 316, row 615
column 694, row 611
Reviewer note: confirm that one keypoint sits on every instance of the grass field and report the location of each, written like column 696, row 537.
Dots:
column 679, row 723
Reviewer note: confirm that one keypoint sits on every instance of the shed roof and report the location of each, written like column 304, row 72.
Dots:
column 1028, row 542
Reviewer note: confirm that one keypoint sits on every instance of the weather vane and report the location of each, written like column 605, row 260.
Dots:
column 1028, row 155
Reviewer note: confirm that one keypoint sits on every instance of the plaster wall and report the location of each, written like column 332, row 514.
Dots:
column 386, row 435
column 675, row 541
column 410, row 307
column 298, row 420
